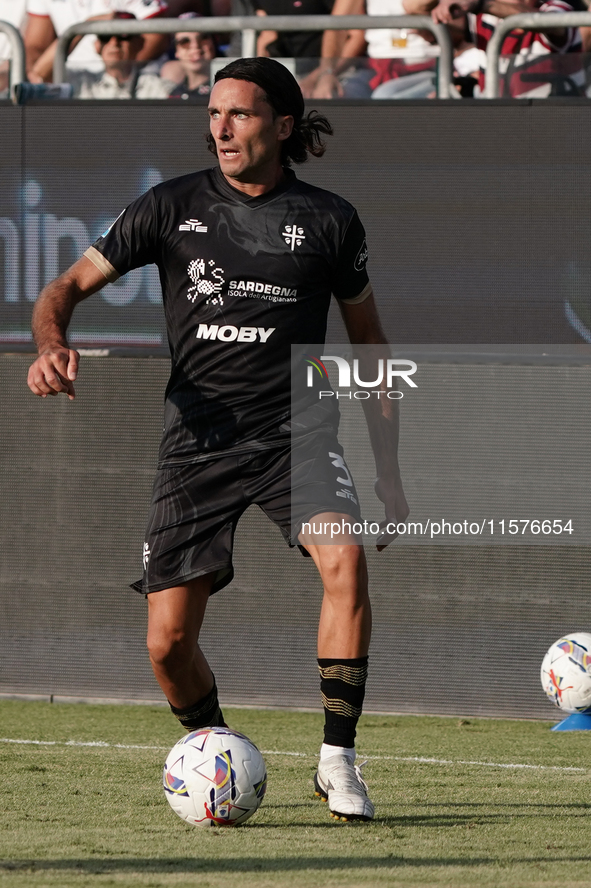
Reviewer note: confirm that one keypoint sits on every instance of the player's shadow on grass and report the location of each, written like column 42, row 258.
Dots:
column 189, row 865
column 398, row 820
column 236, row 865
column 479, row 814
column 475, row 817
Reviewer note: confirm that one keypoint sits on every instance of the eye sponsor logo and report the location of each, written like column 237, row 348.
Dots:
column 229, row 333
column 361, row 258
column 208, row 281
column 257, row 290
column 193, row 225
column 293, row 235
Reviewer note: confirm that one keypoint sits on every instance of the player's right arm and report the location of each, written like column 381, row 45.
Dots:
column 131, row 242
column 56, row 368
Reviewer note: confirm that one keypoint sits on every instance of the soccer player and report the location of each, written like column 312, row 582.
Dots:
column 238, row 290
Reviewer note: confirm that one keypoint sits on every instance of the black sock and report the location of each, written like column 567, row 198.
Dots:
column 206, row 713
column 342, row 685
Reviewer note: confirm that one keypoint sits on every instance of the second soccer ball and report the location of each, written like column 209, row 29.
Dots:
column 566, row 672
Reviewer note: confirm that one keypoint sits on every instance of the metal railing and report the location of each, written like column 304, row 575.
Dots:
column 250, row 26
column 17, row 56
column 526, row 21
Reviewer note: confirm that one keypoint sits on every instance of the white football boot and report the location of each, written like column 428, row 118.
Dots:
column 339, row 782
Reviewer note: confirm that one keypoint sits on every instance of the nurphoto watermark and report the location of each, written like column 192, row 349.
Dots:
column 439, row 445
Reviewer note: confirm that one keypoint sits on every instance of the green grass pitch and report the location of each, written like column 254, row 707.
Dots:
column 451, row 808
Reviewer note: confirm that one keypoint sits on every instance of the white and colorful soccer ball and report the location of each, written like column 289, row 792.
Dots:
column 214, row 777
column 566, row 672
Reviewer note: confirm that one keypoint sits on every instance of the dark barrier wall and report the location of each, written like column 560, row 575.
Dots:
column 458, row 629
column 477, row 214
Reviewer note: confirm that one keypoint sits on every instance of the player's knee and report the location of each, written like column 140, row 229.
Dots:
column 344, row 568
column 170, row 649
column 343, row 559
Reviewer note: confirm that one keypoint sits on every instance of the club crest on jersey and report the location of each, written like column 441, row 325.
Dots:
column 193, row 225
column 199, row 273
column 293, row 236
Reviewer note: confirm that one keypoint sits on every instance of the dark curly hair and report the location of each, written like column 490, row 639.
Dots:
column 284, row 95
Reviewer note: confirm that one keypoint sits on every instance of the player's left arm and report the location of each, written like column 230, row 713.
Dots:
column 382, row 414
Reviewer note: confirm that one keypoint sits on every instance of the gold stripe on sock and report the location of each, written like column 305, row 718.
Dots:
column 341, row 707
column 353, row 675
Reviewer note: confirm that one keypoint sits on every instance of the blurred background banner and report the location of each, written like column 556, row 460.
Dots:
column 477, row 215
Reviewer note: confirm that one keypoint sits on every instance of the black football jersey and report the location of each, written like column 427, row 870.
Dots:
column 243, row 279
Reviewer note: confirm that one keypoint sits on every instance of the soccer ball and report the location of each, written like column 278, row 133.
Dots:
column 566, row 672
column 214, row 777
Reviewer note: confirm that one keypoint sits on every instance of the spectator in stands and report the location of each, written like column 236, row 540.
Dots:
column 239, row 7
column 534, row 64
column 13, row 12
column 191, row 71
column 122, row 77
column 292, row 44
column 584, row 6
column 48, row 19
column 401, row 61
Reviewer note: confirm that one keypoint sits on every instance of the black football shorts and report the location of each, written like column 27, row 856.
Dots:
column 196, row 506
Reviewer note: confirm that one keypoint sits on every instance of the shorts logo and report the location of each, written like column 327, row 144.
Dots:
column 293, row 235
column 346, row 494
column 339, row 463
column 197, row 271
column 229, row 333
column 193, row 225
column 361, row 258
column 146, row 555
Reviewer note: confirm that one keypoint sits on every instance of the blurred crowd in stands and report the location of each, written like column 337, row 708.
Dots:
column 377, row 64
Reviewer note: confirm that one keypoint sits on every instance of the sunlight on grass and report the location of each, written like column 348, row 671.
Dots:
column 77, row 815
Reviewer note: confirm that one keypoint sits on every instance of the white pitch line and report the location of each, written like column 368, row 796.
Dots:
column 279, row 752
column 421, row 760
column 433, row 761
column 99, row 743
